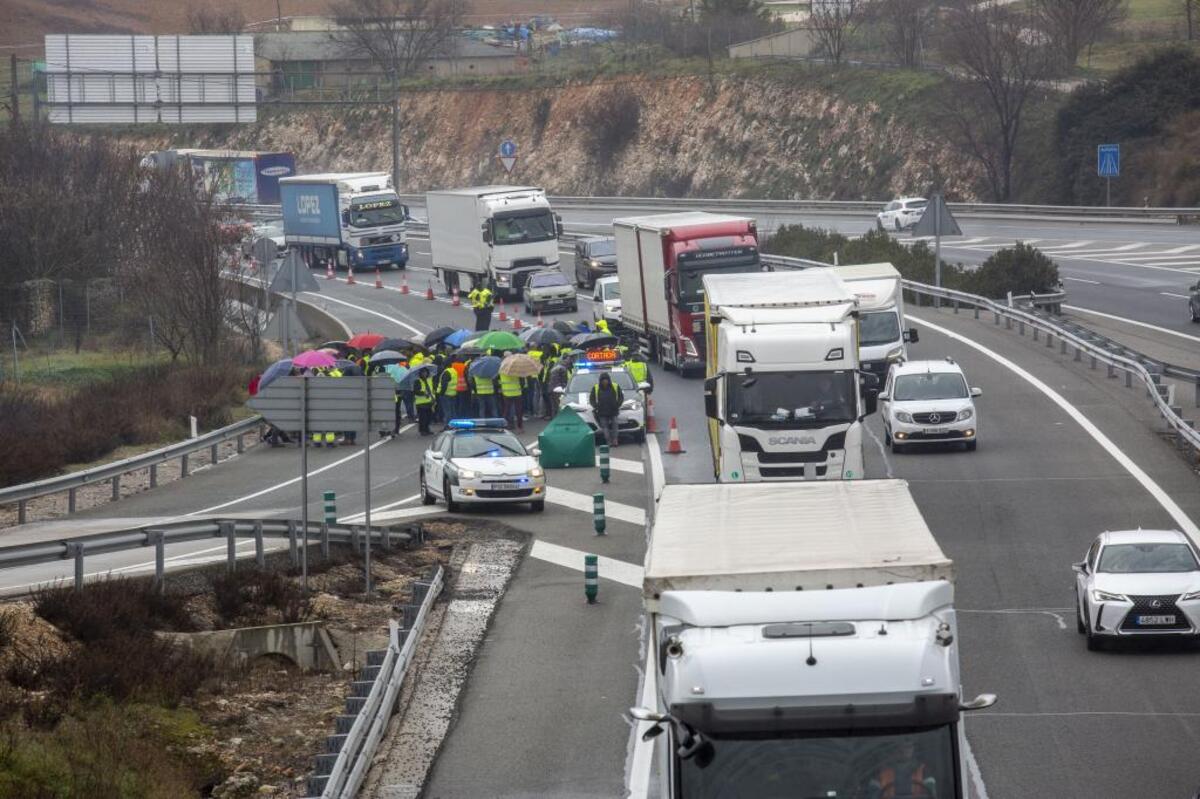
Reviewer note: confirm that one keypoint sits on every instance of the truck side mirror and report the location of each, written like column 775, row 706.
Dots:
column 911, row 336
column 405, row 211
column 487, row 233
column 871, row 401
column 345, row 217
column 710, row 397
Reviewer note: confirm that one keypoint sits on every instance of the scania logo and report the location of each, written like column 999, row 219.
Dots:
column 934, row 418
column 776, row 441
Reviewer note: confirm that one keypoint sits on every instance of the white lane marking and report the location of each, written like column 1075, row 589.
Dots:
column 391, row 319
column 1171, row 294
column 356, row 518
column 1081, row 280
column 1143, row 266
column 1161, row 262
column 642, row 758
column 1057, row 616
column 1154, row 489
column 624, row 465
column 887, row 464
column 618, row 571
column 1133, row 322
column 1075, row 245
column 1122, row 248
column 312, row 473
column 973, row 772
column 403, row 513
column 583, row 502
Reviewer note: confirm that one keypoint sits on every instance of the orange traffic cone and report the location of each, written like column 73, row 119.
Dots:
column 503, row 316
column 349, row 275
column 454, row 300
column 329, row 275
column 429, row 291
column 404, row 284
column 673, row 445
column 651, row 422
column 378, row 279
column 516, row 323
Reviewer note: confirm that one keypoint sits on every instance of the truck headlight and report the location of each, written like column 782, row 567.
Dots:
column 902, row 416
column 895, row 353
column 593, row 262
column 965, row 414
column 502, row 280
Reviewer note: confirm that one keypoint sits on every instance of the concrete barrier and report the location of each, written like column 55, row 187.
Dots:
column 306, row 644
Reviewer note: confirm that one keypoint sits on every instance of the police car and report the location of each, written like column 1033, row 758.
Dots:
column 631, row 420
column 478, row 460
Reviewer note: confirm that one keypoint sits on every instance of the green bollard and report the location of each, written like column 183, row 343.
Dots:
column 604, row 471
column 330, row 507
column 591, row 578
column 598, row 513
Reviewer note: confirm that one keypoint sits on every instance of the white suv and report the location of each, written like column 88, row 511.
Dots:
column 926, row 401
column 901, row 214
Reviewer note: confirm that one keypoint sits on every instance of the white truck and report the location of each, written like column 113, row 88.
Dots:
column 784, row 396
column 351, row 219
column 803, row 643
column 496, row 234
column 883, row 339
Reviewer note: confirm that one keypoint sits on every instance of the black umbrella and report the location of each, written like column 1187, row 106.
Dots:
column 437, row 335
column 468, row 351
column 595, row 340
column 342, row 347
column 541, row 336
column 392, row 344
column 564, row 327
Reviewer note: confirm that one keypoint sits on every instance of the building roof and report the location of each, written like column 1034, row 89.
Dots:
column 333, row 46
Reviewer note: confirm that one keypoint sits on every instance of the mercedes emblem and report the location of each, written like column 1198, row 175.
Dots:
column 934, row 418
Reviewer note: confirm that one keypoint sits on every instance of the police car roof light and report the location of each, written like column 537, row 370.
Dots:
column 470, row 424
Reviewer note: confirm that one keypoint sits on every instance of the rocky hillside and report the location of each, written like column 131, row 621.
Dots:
column 737, row 136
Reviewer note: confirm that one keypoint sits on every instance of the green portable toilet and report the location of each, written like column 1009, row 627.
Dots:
column 567, row 441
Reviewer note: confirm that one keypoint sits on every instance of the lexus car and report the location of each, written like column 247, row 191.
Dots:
column 928, row 401
column 1136, row 583
column 478, row 460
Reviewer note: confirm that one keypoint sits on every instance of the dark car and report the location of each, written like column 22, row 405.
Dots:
column 595, row 258
column 1193, row 303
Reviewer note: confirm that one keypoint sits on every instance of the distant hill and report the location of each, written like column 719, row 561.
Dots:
column 27, row 21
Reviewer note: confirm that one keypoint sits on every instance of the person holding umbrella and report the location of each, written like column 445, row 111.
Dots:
column 558, row 377
column 424, row 396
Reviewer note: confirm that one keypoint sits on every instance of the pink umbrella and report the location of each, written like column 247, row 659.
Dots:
column 314, row 359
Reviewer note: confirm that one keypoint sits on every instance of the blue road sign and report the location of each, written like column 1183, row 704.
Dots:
column 1108, row 160
column 508, row 149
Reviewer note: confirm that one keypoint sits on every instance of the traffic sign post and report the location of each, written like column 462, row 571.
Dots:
column 1108, row 166
column 507, row 153
column 937, row 221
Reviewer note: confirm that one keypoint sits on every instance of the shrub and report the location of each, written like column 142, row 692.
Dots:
column 1019, row 269
column 147, row 668
column 110, row 608
column 245, row 593
column 610, row 122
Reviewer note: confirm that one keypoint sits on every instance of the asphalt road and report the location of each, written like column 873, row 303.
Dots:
column 541, row 711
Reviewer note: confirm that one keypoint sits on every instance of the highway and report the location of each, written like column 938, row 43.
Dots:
column 1064, row 453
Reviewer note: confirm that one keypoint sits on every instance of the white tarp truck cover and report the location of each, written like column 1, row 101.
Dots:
column 786, row 537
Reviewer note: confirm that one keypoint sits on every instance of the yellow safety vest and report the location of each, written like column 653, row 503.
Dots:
column 483, row 386
column 449, row 383
column 417, row 359
column 482, row 300
column 602, row 326
column 637, row 370
column 473, row 296
column 423, row 395
column 510, row 386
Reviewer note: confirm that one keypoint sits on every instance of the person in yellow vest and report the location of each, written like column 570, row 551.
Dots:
column 639, row 370
column 484, row 391
column 511, row 393
column 424, row 394
column 533, row 386
column 448, row 393
column 329, row 439
column 481, row 303
column 601, row 326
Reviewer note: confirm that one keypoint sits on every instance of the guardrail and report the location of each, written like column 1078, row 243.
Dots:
column 72, row 482
column 351, row 752
column 1132, row 367
column 830, row 207
column 160, row 536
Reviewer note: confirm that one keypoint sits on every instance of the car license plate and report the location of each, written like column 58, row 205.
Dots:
column 509, row 486
column 935, row 431
column 1150, row 621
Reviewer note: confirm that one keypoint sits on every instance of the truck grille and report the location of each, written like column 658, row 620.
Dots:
column 525, row 263
column 1144, row 606
column 943, row 417
column 790, row 471
column 386, row 239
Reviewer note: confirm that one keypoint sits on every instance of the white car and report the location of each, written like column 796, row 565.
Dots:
column 606, row 300
column 1137, row 582
column 901, row 214
column 478, row 460
column 928, row 401
column 631, row 420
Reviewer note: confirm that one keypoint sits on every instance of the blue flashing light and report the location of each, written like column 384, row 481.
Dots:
column 471, row 424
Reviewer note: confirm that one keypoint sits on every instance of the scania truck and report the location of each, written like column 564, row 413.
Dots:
column 661, row 263
column 803, row 642
column 499, row 235
column 883, row 339
column 348, row 219
column 784, row 396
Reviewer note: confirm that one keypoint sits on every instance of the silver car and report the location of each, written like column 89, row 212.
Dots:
column 1136, row 583
column 550, row 291
column 631, row 419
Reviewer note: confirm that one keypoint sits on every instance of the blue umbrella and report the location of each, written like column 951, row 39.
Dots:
column 486, row 367
column 456, row 338
column 410, row 379
column 396, row 371
column 273, row 372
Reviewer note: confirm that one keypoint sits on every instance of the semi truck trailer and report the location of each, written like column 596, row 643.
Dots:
column 803, row 642
column 348, row 219
column 883, row 338
column 233, row 176
column 499, row 235
column 784, row 395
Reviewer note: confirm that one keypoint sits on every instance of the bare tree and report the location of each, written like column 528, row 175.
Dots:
column 906, row 25
column 397, row 37
column 834, row 23
column 1004, row 65
column 1075, row 25
column 1191, row 9
column 207, row 19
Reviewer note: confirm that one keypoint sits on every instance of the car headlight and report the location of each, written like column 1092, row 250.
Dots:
column 1105, row 596
column 1190, row 595
column 593, row 262
column 536, row 471
column 965, row 414
column 901, row 416
column 467, row 474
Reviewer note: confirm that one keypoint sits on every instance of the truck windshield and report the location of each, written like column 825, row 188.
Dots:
column 691, row 281
column 794, row 400
column 522, row 227
column 878, row 327
column 897, row 765
column 376, row 213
